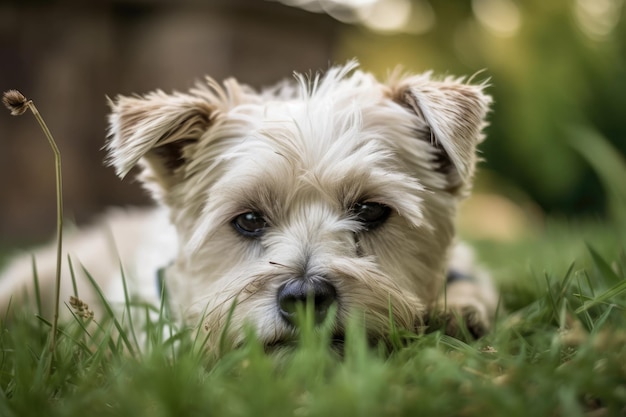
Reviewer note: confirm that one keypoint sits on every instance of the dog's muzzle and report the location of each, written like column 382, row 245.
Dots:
column 302, row 291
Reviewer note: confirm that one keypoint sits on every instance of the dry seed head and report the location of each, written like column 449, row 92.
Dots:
column 15, row 101
column 80, row 307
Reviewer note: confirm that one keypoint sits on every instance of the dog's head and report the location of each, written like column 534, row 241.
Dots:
column 340, row 190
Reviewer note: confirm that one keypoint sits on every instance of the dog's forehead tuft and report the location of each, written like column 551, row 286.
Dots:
column 322, row 129
column 312, row 121
column 309, row 132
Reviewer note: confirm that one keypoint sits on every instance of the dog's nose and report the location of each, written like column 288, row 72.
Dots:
column 316, row 290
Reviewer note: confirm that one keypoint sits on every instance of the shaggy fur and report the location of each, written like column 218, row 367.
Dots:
column 301, row 157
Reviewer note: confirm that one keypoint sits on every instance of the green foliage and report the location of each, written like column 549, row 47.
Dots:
column 609, row 166
column 560, row 349
column 550, row 72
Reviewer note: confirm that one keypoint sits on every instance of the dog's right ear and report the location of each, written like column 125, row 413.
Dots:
column 156, row 130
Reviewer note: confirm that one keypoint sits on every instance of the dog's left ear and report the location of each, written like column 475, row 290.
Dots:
column 454, row 114
column 156, row 129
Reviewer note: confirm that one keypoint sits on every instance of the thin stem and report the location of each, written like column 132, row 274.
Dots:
column 18, row 104
column 59, row 192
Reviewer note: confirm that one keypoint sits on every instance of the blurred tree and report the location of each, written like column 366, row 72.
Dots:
column 553, row 66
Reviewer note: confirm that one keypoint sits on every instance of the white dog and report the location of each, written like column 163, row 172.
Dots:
column 332, row 190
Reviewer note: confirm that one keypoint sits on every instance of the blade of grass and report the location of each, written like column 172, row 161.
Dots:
column 586, row 317
column 164, row 308
column 592, row 290
column 607, row 162
column 456, row 344
column 224, row 335
column 72, row 275
column 127, row 306
column 62, row 332
column 550, row 298
column 36, row 283
column 603, row 318
column 604, row 297
column 194, row 345
column 394, row 336
column 608, row 275
column 110, row 312
column 565, row 282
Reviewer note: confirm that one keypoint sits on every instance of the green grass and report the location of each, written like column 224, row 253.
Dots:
column 559, row 349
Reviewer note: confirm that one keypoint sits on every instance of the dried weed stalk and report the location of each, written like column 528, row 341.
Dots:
column 18, row 105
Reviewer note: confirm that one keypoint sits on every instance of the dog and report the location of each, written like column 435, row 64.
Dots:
column 337, row 192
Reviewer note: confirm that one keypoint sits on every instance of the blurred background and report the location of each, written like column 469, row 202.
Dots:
column 557, row 68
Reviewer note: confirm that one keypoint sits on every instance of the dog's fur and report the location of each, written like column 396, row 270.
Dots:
column 301, row 159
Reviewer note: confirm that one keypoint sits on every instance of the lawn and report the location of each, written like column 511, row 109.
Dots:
column 559, row 349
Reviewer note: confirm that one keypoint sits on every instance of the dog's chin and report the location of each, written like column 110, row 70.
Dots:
column 288, row 344
column 335, row 344
column 284, row 338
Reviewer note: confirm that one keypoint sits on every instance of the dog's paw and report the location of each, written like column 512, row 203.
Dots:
column 461, row 321
column 473, row 318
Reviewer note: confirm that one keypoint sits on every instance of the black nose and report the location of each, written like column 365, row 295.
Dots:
column 316, row 290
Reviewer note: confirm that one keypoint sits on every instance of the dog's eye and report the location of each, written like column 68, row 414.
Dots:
column 250, row 224
column 371, row 214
